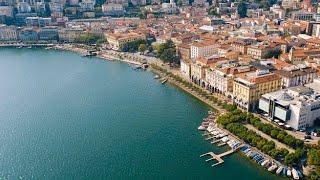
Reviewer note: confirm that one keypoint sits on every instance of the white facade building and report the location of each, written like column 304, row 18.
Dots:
column 296, row 75
column 203, row 49
column 185, row 68
column 316, row 30
column 220, row 79
column 298, row 107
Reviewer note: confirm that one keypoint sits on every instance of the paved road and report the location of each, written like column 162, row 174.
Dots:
column 296, row 134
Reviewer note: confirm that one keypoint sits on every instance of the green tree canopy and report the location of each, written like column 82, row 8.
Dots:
column 142, row 48
column 87, row 39
column 242, row 9
column 167, row 52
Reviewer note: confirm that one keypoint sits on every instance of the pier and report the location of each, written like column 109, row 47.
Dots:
column 218, row 157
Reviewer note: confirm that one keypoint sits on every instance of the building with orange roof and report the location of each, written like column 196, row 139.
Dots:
column 299, row 55
column 198, row 69
column 117, row 40
column 241, row 45
column 296, row 75
column 260, row 51
column 184, row 51
column 220, row 76
column 203, row 49
column 249, row 87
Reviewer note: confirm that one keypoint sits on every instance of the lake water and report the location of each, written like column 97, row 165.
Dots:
column 63, row 116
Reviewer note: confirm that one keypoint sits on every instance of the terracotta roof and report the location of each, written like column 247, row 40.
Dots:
column 295, row 72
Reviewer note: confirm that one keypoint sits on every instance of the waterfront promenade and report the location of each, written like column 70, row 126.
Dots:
column 277, row 143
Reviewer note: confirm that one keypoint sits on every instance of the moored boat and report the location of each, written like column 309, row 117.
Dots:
column 164, row 81
column 201, row 128
column 261, row 161
column 300, row 174
column 284, row 172
column 288, row 172
column 279, row 170
column 264, row 163
column 272, row 168
column 295, row 173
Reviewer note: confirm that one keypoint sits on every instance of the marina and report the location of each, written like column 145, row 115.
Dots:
column 220, row 137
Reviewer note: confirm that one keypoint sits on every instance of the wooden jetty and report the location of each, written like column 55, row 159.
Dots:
column 218, row 157
column 213, row 157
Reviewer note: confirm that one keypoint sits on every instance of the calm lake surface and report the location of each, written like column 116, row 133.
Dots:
column 63, row 116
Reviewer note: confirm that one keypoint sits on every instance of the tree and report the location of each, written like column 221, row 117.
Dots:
column 88, row 38
column 266, row 4
column 212, row 11
column 142, row 48
column 132, row 46
column 242, row 10
column 314, row 157
column 294, row 158
column 143, row 15
column 47, row 12
column 101, row 41
column 100, row 2
column 167, row 52
column 169, row 55
column 274, row 133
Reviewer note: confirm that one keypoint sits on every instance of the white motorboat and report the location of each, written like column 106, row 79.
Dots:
column 265, row 162
column 288, row 172
column 272, row 168
column 201, row 128
column 279, row 170
column 295, row 173
column 225, row 139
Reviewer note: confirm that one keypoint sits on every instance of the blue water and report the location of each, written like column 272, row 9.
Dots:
column 67, row 117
